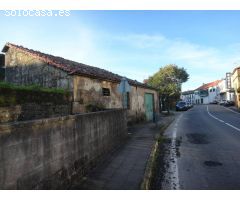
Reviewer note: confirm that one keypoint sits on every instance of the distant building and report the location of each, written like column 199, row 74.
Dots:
column 207, row 93
column 235, row 81
column 188, row 96
column 226, row 92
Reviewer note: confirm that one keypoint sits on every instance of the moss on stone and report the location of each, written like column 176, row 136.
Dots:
column 11, row 94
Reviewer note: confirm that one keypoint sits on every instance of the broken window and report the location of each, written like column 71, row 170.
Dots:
column 106, row 91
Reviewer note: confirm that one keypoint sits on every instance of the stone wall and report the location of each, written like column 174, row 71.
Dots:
column 2, row 74
column 2, row 60
column 30, row 111
column 89, row 91
column 137, row 103
column 50, row 153
column 23, row 69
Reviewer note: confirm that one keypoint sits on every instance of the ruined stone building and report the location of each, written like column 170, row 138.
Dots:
column 89, row 85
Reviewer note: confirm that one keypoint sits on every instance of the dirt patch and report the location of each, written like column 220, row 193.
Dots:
column 156, row 166
column 161, row 163
column 178, row 144
column 197, row 138
column 212, row 163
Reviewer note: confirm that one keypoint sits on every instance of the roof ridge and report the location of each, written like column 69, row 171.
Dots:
column 73, row 67
column 210, row 84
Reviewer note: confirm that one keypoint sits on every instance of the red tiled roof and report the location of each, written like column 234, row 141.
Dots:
column 208, row 85
column 72, row 67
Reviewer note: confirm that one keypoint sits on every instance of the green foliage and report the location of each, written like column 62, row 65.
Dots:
column 168, row 79
column 11, row 94
column 31, row 88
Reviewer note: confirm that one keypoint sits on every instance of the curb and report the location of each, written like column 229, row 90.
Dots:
column 151, row 163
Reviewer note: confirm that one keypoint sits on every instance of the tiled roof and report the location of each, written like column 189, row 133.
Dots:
column 74, row 68
column 208, row 85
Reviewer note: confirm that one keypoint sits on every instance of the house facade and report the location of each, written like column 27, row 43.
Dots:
column 188, row 96
column 205, row 94
column 235, row 80
column 226, row 92
column 89, row 85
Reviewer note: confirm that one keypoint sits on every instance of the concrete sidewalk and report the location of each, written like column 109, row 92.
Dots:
column 125, row 168
column 235, row 109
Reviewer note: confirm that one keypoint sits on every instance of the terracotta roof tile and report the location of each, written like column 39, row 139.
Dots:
column 74, row 68
column 208, row 85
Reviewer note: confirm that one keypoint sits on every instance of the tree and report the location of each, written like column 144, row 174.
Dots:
column 168, row 80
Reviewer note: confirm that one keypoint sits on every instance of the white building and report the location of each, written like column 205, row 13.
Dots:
column 205, row 94
column 188, row 96
column 226, row 92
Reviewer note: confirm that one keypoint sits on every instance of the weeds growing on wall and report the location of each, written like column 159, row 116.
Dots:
column 11, row 94
column 95, row 107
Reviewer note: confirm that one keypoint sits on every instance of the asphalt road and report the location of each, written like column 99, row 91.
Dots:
column 204, row 150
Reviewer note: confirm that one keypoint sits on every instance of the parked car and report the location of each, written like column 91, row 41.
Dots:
column 222, row 102
column 229, row 103
column 214, row 102
column 181, row 106
column 189, row 105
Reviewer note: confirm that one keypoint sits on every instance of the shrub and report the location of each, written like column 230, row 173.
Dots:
column 95, row 107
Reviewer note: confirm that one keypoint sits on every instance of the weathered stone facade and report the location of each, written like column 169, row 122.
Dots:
column 89, row 91
column 23, row 69
column 26, row 68
column 50, row 153
column 30, row 111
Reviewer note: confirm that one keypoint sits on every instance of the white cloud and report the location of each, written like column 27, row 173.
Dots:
column 139, row 55
column 142, row 41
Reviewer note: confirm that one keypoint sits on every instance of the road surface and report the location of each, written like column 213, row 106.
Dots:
column 204, row 149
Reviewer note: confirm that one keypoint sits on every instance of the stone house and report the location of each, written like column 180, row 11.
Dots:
column 235, row 78
column 89, row 85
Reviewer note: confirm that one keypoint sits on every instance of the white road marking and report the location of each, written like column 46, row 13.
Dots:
column 232, row 110
column 230, row 125
column 173, row 155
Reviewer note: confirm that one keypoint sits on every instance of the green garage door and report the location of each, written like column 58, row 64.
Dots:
column 148, row 99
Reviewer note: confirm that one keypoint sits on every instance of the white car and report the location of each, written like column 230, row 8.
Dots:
column 222, row 102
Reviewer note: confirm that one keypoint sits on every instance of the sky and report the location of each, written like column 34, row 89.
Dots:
column 136, row 44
